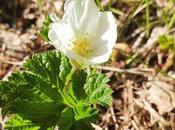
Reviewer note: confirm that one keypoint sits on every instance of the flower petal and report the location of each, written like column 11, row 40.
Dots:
column 107, row 28
column 74, row 57
column 100, row 59
column 54, row 39
column 101, row 55
column 81, row 14
column 73, row 12
column 106, row 33
column 90, row 17
column 60, row 34
column 104, row 39
column 54, row 17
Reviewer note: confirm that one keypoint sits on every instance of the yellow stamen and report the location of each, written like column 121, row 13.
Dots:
column 82, row 47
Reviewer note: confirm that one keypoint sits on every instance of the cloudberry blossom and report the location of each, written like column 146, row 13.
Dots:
column 84, row 34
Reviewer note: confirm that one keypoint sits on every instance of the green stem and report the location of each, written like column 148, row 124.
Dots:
column 65, row 100
column 68, row 79
column 63, row 91
column 99, row 4
column 147, row 17
column 172, row 21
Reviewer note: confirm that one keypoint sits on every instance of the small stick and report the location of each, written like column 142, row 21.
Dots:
column 131, row 71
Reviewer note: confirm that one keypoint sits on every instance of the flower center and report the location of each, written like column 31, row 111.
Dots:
column 82, row 47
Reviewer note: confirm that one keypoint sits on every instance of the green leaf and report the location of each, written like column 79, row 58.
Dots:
column 69, row 95
column 5, row 90
column 84, row 111
column 81, row 126
column 16, row 122
column 45, row 29
column 74, row 90
column 166, row 42
column 37, row 94
column 34, row 85
column 77, row 85
column 45, row 114
column 66, row 119
column 53, row 66
column 97, row 89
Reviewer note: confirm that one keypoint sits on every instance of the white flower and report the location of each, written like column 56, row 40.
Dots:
column 84, row 34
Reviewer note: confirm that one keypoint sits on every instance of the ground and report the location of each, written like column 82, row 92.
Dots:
column 141, row 68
